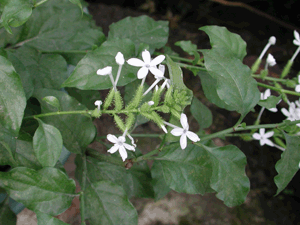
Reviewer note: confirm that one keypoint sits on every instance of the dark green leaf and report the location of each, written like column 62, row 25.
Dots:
column 208, row 84
column 77, row 2
column 234, row 84
column 228, row 177
column 270, row 102
column 47, row 144
column 187, row 170
column 107, row 204
column 7, row 148
column 48, row 190
column 7, row 216
column 85, row 97
column 288, row 165
column 38, row 70
column 85, row 74
column 78, row 131
column 12, row 98
column 60, row 26
column 25, row 155
column 15, row 13
column 201, row 113
column 160, row 186
column 45, row 219
column 142, row 29
column 232, row 43
column 187, row 46
column 136, row 181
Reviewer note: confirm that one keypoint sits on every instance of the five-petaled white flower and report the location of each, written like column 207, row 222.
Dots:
column 293, row 113
column 184, row 132
column 263, row 137
column 147, row 64
column 119, row 144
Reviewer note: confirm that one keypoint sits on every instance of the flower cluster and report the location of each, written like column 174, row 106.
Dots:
column 154, row 66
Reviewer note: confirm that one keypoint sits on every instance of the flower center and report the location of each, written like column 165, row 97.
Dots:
column 147, row 66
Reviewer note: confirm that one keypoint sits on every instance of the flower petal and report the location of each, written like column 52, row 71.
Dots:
column 123, row 153
column 297, row 89
column 105, row 71
column 273, row 109
column 177, row 131
column 285, row 112
column 183, row 141
column 146, row 57
column 129, row 147
column 112, row 138
column 113, row 149
column 157, row 60
column 135, row 62
column 256, row 136
column 156, row 72
column 183, row 121
column 296, row 35
column 267, row 93
column 269, row 134
column 192, row 136
column 120, row 58
column 262, row 131
column 142, row 72
column 268, row 142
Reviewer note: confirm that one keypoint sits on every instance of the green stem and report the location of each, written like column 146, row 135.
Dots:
column 270, row 78
column 278, row 89
column 146, row 156
column 230, row 130
column 82, row 204
column 39, row 3
column 190, row 66
column 59, row 113
column 239, row 121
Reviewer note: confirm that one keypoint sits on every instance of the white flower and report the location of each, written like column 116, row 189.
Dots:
column 297, row 88
column 120, row 58
column 271, row 60
column 264, row 96
column 184, row 132
column 296, row 41
column 263, row 137
column 147, row 64
column 293, row 113
column 119, row 144
column 98, row 103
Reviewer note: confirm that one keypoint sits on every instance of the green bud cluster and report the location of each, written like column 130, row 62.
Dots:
column 119, row 122
column 118, row 101
column 109, row 98
column 286, row 69
column 135, row 102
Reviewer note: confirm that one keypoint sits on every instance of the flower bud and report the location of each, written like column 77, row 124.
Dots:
column 120, row 58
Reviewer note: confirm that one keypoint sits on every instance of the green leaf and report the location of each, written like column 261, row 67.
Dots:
column 232, row 43
column 7, row 216
column 228, row 177
column 187, row 170
column 85, row 97
column 107, row 204
column 176, row 77
column 78, row 131
column 47, row 144
column 12, row 98
column 270, row 102
column 136, row 181
column 234, row 84
column 45, row 219
column 38, row 70
column 36, row 189
column 25, row 155
column 142, row 29
column 288, row 165
column 15, row 13
column 85, row 75
column 77, row 2
column 7, row 148
column 208, row 84
column 160, row 186
column 201, row 113
column 187, row 46
column 53, row 101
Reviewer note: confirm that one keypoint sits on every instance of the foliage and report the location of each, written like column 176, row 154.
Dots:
column 53, row 61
